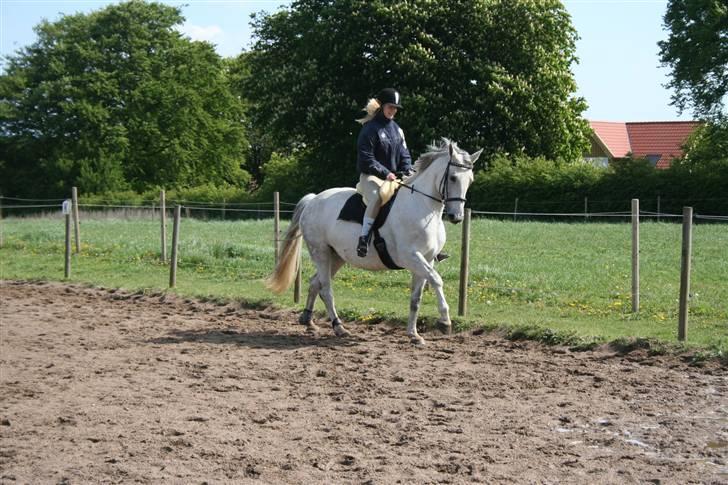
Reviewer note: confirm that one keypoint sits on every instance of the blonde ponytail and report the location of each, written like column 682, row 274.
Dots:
column 371, row 108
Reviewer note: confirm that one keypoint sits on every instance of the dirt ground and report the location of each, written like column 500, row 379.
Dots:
column 103, row 386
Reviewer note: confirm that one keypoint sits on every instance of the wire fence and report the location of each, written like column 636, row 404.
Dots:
column 206, row 209
column 203, row 209
column 484, row 288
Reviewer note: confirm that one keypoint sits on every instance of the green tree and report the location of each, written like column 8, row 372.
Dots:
column 707, row 147
column 493, row 74
column 260, row 146
column 696, row 51
column 118, row 99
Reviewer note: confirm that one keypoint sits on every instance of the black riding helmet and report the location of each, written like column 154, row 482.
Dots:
column 389, row 96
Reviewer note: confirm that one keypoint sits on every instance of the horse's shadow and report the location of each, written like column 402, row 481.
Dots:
column 254, row 340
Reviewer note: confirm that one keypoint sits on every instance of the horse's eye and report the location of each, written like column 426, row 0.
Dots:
column 453, row 178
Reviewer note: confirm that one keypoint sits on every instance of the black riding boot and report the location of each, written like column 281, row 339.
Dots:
column 362, row 246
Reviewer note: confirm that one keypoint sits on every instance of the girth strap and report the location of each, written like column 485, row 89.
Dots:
column 381, row 248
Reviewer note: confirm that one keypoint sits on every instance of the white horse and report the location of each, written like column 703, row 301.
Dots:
column 414, row 233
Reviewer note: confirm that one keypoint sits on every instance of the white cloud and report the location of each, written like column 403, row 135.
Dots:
column 198, row 32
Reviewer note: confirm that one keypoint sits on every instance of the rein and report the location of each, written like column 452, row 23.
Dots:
column 443, row 185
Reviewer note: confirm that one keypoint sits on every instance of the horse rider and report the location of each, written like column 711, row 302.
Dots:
column 381, row 153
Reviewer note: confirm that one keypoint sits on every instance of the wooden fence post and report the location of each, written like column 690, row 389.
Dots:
column 586, row 208
column 175, row 246
column 635, row 255
column 658, row 208
column 276, row 224
column 464, row 266
column 515, row 209
column 66, row 209
column 1, row 220
column 687, row 248
column 163, row 220
column 76, row 223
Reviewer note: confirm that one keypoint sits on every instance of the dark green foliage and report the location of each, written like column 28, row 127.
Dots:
column 696, row 51
column 285, row 175
column 210, row 195
column 544, row 186
column 117, row 99
column 707, row 145
column 493, row 75
column 541, row 185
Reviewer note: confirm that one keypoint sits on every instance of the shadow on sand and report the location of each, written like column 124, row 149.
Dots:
column 256, row 340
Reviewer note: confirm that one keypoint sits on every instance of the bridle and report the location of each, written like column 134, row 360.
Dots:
column 443, row 189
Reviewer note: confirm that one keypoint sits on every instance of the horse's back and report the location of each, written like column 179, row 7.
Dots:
column 323, row 210
column 322, row 229
column 327, row 202
column 335, row 196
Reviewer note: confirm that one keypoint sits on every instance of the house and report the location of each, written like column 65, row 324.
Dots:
column 657, row 141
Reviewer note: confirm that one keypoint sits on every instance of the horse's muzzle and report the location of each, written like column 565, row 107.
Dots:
column 455, row 218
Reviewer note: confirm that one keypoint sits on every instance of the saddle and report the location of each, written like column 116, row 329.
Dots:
column 353, row 211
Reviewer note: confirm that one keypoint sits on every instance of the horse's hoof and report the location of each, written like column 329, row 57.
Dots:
column 340, row 331
column 417, row 341
column 311, row 327
column 306, row 317
column 445, row 328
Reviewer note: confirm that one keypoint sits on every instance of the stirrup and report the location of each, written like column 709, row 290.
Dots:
column 362, row 246
column 441, row 257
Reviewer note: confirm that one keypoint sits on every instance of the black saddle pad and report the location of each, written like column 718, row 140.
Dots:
column 353, row 210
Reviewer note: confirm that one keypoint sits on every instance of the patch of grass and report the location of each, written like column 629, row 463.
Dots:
column 626, row 345
column 547, row 336
column 699, row 357
column 566, row 284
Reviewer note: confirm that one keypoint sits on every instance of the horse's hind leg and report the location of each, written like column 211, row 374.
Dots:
column 316, row 287
column 328, row 263
column 306, row 317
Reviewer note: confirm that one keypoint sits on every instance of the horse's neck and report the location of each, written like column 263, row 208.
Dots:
column 418, row 204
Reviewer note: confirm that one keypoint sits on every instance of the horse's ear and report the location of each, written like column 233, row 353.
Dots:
column 474, row 157
column 452, row 149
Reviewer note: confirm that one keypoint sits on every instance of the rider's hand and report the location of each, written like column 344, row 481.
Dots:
column 391, row 176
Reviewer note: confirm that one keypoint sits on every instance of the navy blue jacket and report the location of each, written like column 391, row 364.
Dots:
column 381, row 148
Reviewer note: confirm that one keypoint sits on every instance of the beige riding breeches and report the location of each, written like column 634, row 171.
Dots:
column 373, row 188
column 375, row 192
column 368, row 187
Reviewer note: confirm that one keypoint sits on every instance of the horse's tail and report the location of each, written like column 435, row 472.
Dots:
column 284, row 274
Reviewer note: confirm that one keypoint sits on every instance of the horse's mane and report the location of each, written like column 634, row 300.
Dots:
column 434, row 150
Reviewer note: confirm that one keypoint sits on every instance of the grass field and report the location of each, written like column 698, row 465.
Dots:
column 566, row 282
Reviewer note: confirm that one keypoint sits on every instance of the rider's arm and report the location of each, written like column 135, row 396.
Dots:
column 405, row 159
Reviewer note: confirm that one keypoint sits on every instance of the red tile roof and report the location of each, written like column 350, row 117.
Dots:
column 663, row 138
column 614, row 137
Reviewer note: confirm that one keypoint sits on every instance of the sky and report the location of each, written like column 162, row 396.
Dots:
column 619, row 72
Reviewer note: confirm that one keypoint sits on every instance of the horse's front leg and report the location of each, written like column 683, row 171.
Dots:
column 426, row 270
column 418, row 285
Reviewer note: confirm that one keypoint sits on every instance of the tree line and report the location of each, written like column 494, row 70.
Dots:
column 119, row 100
